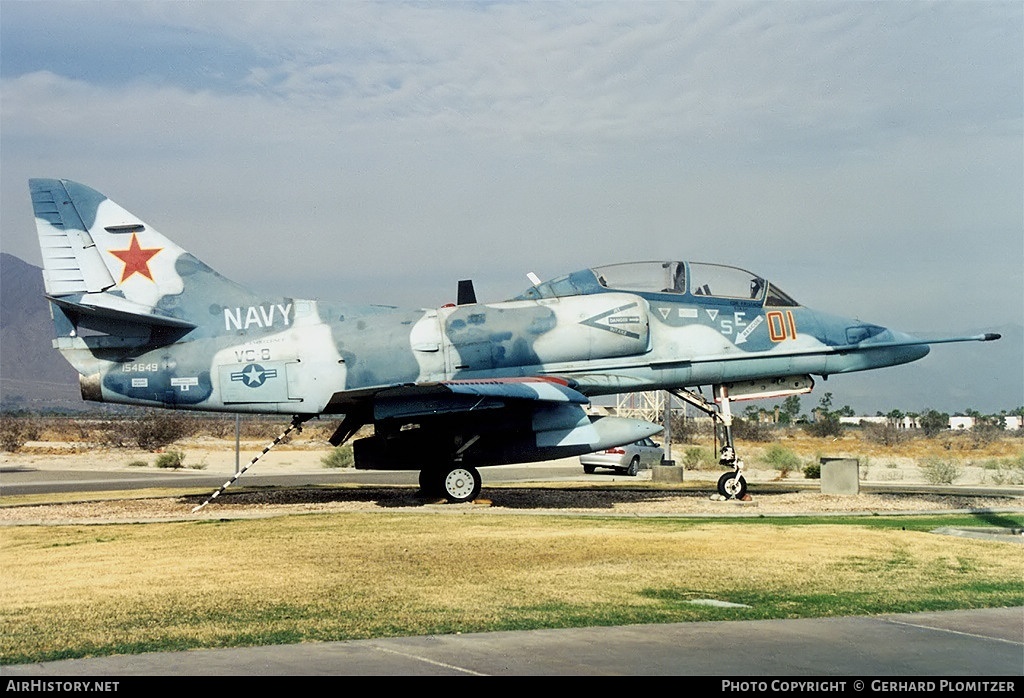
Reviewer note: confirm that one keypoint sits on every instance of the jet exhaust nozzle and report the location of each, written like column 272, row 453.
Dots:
column 91, row 387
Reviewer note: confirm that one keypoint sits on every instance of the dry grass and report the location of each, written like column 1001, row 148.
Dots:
column 88, row 431
column 81, row 590
column 854, row 443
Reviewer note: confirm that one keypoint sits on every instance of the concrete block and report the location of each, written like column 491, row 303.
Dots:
column 840, row 476
column 667, row 473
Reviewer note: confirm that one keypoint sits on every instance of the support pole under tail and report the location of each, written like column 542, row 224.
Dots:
column 297, row 421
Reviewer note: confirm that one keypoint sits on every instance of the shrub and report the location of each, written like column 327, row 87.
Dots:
column 1006, row 471
column 340, row 457
column 885, row 434
column 697, row 457
column 940, row 472
column 170, row 459
column 15, row 431
column 812, row 471
column 933, row 422
column 155, row 430
column 138, row 464
column 689, row 430
column 750, row 430
column 864, row 463
column 983, row 435
column 782, row 459
column 825, row 425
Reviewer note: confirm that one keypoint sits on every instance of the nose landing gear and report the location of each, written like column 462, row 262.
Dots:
column 731, row 485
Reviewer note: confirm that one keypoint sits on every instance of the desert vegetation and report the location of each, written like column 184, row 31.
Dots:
column 146, row 430
column 339, row 457
column 792, row 448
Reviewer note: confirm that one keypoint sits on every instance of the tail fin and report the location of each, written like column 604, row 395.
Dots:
column 105, row 266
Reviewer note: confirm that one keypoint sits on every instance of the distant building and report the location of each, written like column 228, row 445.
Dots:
column 897, row 422
column 1010, row 422
column 956, row 422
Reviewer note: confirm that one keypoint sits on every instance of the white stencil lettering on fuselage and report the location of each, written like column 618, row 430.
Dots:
column 729, row 325
column 257, row 316
column 250, row 355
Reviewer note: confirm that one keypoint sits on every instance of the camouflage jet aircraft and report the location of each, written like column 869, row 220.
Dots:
column 448, row 389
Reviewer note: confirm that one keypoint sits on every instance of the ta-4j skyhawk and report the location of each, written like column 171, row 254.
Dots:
column 447, row 390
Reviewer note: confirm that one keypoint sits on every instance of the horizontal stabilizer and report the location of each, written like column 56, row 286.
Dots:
column 109, row 307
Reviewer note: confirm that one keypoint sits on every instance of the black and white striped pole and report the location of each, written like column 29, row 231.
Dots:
column 297, row 421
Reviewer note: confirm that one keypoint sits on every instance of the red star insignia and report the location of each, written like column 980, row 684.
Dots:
column 136, row 259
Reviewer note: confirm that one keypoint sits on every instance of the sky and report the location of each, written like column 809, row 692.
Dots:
column 867, row 157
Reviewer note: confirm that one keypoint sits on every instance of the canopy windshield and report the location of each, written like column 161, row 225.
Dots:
column 676, row 278
column 695, row 278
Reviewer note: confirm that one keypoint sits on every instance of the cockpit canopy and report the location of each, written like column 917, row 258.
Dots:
column 659, row 278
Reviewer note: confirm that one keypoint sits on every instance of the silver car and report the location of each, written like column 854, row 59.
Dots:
column 628, row 459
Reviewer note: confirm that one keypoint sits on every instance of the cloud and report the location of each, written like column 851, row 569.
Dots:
column 858, row 153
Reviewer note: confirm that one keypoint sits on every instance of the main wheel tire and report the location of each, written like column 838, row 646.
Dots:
column 732, row 486
column 460, row 484
column 430, row 483
column 589, row 469
column 634, row 467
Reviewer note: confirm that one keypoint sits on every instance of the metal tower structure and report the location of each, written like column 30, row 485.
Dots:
column 649, row 406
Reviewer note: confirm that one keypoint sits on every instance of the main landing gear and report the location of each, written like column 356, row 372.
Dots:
column 452, row 479
column 456, row 482
column 731, row 485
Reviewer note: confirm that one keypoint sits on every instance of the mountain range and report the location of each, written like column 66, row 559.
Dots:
column 33, row 375
column 988, row 378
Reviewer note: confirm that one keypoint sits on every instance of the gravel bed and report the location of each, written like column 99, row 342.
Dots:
column 495, row 500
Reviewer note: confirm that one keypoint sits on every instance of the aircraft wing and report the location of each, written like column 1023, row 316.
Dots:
column 448, row 397
column 545, row 389
column 536, row 415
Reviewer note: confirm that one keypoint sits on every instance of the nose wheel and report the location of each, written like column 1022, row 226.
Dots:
column 732, row 485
